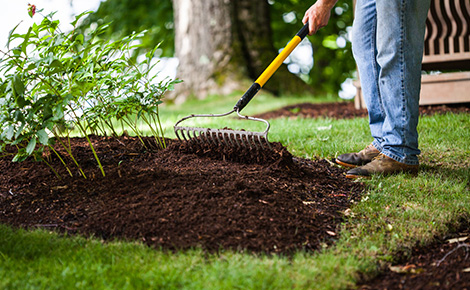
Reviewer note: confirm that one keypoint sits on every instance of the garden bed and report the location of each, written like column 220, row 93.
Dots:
column 178, row 199
column 346, row 110
column 187, row 197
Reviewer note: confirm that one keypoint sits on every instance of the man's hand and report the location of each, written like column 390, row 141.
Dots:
column 318, row 15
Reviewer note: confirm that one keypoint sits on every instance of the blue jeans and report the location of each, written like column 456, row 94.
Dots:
column 387, row 43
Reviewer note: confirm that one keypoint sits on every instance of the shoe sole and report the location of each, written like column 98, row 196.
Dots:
column 348, row 165
column 354, row 176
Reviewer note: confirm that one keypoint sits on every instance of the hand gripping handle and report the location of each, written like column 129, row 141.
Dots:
column 271, row 69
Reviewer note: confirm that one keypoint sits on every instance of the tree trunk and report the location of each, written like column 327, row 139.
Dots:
column 221, row 43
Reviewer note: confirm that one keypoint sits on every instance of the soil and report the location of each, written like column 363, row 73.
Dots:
column 209, row 196
column 346, row 110
column 443, row 265
column 185, row 196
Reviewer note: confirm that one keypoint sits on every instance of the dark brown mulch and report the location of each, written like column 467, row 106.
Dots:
column 443, row 265
column 182, row 197
column 346, row 110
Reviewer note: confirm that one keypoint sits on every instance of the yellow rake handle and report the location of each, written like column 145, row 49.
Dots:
column 271, row 69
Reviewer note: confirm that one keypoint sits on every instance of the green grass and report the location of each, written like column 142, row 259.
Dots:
column 395, row 214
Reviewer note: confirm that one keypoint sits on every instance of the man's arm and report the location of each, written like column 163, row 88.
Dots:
column 318, row 14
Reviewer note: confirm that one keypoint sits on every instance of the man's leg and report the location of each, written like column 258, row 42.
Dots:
column 400, row 41
column 364, row 46
column 365, row 54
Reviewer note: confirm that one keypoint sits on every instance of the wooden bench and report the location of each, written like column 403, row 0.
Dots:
column 446, row 59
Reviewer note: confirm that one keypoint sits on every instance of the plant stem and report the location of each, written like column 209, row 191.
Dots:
column 83, row 130
column 63, row 162
column 53, row 170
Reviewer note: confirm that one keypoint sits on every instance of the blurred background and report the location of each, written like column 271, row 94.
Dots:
column 216, row 46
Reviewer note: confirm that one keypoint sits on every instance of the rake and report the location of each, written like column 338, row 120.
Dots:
column 240, row 138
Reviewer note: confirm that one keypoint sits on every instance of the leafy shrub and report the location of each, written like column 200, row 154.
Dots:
column 55, row 83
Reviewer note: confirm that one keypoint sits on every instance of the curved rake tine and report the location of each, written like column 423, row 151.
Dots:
column 267, row 142
column 242, row 142
column 235, row 139
column 217, row 137
column 204, row 138
column 232, row 141
column 209, row 139
column 228, row 140
column 224, row 137
column 248, row 140
column 178, row 135
column 254, row 141
column 193, row 137
column 212, row 138
column 196, row 138
column 260, row 142
column 184, row 136
column 188, row 132
column 241, row 138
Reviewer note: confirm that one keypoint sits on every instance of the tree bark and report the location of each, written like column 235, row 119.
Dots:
column 222, row 43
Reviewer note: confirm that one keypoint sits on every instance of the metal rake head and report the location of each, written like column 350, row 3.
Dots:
column 230, row 137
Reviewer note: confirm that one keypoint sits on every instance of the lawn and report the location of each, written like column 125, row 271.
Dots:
column 395, row 214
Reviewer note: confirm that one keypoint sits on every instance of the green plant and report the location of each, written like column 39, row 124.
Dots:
column 54, row 82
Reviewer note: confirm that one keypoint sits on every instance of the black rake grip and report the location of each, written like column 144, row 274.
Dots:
column 247, row 96
column 303, row 31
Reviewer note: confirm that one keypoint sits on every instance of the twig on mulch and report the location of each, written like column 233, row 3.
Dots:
column 451, row 252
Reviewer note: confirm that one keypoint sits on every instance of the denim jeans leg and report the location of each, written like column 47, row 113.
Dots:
column 400, row 34
column 365, row 53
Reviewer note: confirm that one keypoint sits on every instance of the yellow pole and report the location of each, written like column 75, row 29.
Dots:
column 276, row 63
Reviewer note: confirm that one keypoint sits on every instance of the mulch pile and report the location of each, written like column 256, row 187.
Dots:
column 346, row 110
column 443, row 265
column 182, row 197
column 213, row 197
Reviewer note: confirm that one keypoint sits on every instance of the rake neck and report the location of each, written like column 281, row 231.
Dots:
column 271, row 69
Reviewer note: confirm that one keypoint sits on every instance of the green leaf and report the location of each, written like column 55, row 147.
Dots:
column 31, row 146
column 20, row 156
column 58, row 113
column 26, row 40
column 21, row 101
column 11, row 35
column 77, row 18
column 18, row 86
column 80, row 38
column 20, row 130
column 18, row 116
column 31, row 66
column 47, row 111
column 43, row 137
column 10, row 132
column 56, row 63
column 55, row 67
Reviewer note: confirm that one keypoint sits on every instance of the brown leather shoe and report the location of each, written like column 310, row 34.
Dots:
column 381, row 165
column 363, row 157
